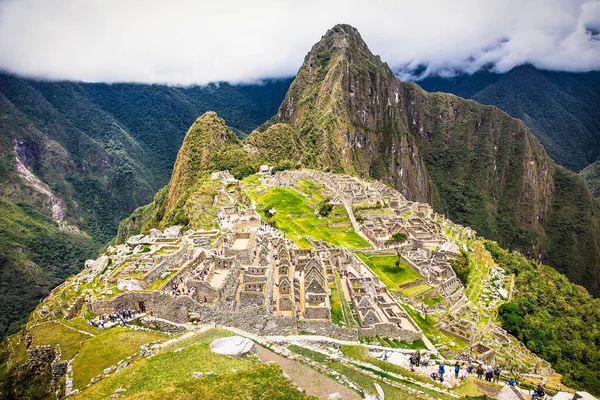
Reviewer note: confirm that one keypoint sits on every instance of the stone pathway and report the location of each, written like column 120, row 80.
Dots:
column 311, row 381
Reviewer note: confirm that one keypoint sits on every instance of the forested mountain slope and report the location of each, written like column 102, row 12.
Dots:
column 560, row 108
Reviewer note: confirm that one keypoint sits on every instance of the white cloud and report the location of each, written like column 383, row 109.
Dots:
column 185, row 42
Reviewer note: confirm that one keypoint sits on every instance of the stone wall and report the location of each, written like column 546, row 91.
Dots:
column 73, row 310
column 163, row 325
column 325, row 328
column 41, row 356
column 316, row 312
column 391, row 331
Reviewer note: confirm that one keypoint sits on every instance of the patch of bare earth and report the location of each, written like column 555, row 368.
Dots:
column 314, row 383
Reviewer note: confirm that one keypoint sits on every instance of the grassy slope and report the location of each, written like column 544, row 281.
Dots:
column 52, row 333
column 106, row 350
column 169, row 375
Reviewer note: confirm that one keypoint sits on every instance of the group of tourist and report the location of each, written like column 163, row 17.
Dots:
column 119, row 317
column 492, row 374
column 179, row 289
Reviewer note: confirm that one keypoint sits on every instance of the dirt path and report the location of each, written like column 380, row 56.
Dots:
column 311, row 381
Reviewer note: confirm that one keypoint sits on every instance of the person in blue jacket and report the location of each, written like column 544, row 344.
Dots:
column 441, row 371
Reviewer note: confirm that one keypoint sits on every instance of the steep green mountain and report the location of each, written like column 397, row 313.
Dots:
column 474, row 163
column 591, row 176
column 209, row 145
column 77, row 158
column 560, row 108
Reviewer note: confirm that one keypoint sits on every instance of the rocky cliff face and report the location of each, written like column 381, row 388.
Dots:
column 474, row 163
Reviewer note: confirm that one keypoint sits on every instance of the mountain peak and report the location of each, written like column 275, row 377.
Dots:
column 340, row 36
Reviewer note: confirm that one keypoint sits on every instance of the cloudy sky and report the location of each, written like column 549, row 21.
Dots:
column 185, row 42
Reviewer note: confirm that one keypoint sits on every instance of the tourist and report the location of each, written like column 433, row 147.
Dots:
column 489, row 373
column 480, row 371
column 497, row 373
column 425, row 361
column 456, row 370
column 434, row 376
column 511, row 382
column 441, row 371
column 538, row 393
column 470, row 368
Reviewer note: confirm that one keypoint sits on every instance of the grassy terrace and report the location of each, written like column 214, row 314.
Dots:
column 53, row 333
column 427, row 325
column 106, row 349
column 341, row 314
column 365, row 381
column 169, row 375
column 295, row 215
column 390, row 274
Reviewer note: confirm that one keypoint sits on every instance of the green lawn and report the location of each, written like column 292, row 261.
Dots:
column 169, row 375
column 106, row 349
column 427, row 325
column 296, row 218
column 390, row 274
column 416, row 290
column 433, row 300
column 341, row 314
column 53, row 333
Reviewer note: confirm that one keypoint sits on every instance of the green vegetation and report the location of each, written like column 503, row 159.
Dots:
column 591, row 176
column 554, row 318
column 427, row 325
column 35, row 257
column 53, row 333
column 341, row 314
column 295, row 216
column 390, row 269
column 103, row 150
column 462, row 267
column 433, row 300
column 397, row 237
column 169, row 375
column 550, row 103
column 106, row 349
column 473, row 387
column 325, row 207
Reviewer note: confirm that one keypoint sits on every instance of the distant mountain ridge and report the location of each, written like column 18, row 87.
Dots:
column 561, row 108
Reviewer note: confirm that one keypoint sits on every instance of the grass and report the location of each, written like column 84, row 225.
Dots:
column 362, row 354
column 476, row 387
column 296, row 218
column 169, row 375
column 108, row 349
column 390, row 274
column 433, row 301
column 79, row 323
column 417, row 290
column 337, row 316
column 53, row 333
column 427, row 325
column 344, row 309
column 364, row 381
